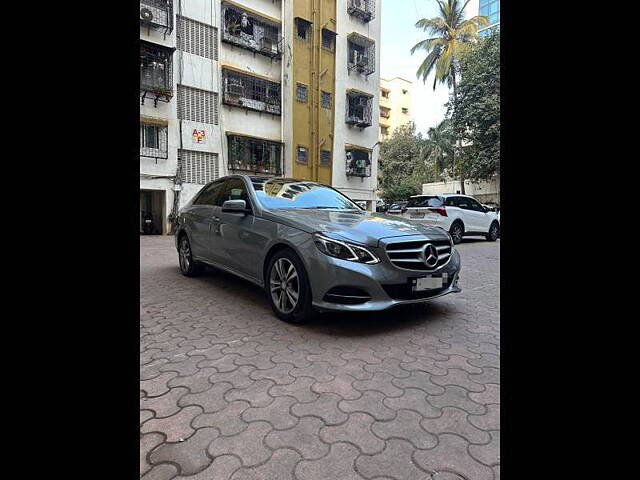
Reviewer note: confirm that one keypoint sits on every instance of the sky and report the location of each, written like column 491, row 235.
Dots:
column 398, row 35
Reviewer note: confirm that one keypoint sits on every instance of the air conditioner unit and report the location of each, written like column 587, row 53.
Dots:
column 268, row 45
column 146, row 14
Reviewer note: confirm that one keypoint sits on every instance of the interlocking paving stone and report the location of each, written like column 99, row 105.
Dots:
column 394, row 461
column 248, row 445
column 303, row 438
column 451, row 455
column 190, row 455
column 356, row 430
column 454, row 420
column 412, row 392
column 338, row 464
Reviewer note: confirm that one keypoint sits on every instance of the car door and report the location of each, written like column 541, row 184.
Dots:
column 483, row 217
column 473, row 215
column 234, row 234
column 200, row 218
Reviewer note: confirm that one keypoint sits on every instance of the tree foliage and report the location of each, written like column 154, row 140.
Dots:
column 475, row 110
column 401, row 164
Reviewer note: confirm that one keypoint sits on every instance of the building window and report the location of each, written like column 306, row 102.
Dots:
column 384, row 93
column 358, row 111
column 157, row 14
column 302, row 28
column 153, row 140
column 301, row 92
column 197, row 105
column 361, row 53
column 358, row 162
column 302, row 154
column 243, row 29
column 362, row 9
column 197, row 167
column 384, row 130
column 326, row 99
column 405, row 110
column 404, row 91
column 325, row 157
column 254, row 155
column 328, row 39
column 385, row 112
column 197, row 38
column 156, row 73
column 253, row 93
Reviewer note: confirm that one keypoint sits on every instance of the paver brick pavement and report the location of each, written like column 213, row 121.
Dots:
column 228, row 392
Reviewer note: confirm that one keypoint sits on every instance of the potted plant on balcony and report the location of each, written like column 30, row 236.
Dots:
column 165, row 92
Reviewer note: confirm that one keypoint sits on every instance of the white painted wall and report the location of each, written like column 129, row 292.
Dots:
column 359, row 189
column 487, row 191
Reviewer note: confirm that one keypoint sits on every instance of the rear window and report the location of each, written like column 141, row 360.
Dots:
column 424, row 202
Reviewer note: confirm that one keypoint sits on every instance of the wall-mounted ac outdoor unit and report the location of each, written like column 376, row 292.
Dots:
column 268, row 45
column 146, row 14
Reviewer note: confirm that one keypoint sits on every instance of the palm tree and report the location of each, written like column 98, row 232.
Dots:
column 450, row 37
column 439, row 147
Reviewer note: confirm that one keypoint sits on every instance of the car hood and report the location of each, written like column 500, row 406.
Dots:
column 367, row 228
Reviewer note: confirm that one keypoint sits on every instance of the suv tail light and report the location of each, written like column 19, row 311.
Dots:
column 441, row 210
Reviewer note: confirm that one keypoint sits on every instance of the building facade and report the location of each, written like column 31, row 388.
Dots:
column 491, row 9
column 267, row 87
column 395, row 105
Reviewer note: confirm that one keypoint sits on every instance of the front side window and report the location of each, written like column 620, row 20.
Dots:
column 287, row 193
column 234, row 189
column 209, row 195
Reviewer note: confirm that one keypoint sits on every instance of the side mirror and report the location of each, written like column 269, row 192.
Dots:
column 234, row 206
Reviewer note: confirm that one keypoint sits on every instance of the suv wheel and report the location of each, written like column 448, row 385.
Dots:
column 288, row 288
column 494, row 232
column 456, row 231
column 188, row 266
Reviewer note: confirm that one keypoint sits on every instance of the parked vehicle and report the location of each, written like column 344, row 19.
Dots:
column 460, row 215
column 312, row 248
column 381, row 206
column 397, row 208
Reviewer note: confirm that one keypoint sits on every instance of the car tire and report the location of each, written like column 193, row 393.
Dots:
column 456, row 231
column 285, row 286
column 494, row 232
column 188, row 266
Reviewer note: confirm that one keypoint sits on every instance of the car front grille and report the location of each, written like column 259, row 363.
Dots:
column 410, row 255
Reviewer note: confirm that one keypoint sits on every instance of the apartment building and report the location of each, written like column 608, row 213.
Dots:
column 266, row 87
column 395, row 105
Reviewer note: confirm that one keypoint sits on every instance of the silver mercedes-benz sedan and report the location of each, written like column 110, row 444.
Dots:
column 310, row 247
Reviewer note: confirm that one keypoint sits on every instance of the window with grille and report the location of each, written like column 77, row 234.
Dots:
column 247, row 91
column 153, row 140
column 302, row 28
column 254, row 155
column 328, row 39
column 197, row 105
column 197, row 38
column 358, row 162
column 325, row 157
column 326, row 99
column 197, row 167
column 301, row 92
column 302, row 154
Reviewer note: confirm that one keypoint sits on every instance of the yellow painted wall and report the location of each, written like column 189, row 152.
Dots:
column 313, row 66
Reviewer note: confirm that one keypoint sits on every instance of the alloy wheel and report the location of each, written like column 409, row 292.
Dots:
column 284, row 285
column 456, row 233
column 185, row 255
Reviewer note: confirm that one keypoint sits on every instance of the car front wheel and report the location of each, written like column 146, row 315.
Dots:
column 288, row 288
column 494, row 232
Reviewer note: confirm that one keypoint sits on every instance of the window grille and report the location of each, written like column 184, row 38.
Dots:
column 303, row 27
column 254, row 155
column 153, row 140
column 302, row 154
column 358, row 109
column 326, row 99
column 325, row 157
column 243, row 29
column 328, row 38
column 197, row 38
column 253, row 93
column 361, row 54
column 197, row 105
column 157, row 13
column 156, row 74
column 197, row 167
column 358, row 162
column 301, row 92
column 365, row 10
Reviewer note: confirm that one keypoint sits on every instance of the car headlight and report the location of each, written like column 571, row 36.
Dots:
column 344, row 250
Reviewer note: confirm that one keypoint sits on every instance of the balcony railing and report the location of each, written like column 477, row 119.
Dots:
column 365, row 10
column 253, row 93
column 361, row 54
column 157, row 14
column 156, row 72
column 250, row 32
column 359, row 108
column 385, row 112
column 358, row 162
column 254, row 155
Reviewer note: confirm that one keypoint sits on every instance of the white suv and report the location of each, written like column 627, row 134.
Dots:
column 460, row 215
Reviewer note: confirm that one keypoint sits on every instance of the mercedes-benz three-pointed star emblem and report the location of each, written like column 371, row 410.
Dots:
column 430, row 255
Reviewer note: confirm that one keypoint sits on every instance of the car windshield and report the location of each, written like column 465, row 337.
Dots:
column 287, row 193
column 424, row 202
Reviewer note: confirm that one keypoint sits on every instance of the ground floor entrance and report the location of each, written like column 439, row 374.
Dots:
column 153, row 207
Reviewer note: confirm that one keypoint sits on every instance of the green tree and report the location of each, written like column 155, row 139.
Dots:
column 450, row 36
column 475, row 111
column 401, row 165
column 438, row 151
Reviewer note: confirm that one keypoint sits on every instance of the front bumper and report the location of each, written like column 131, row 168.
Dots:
column 384, row 284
